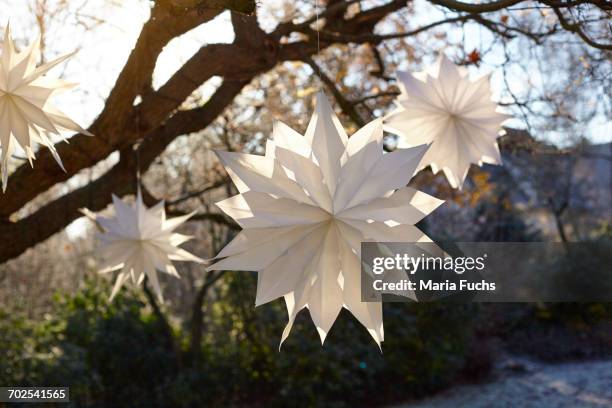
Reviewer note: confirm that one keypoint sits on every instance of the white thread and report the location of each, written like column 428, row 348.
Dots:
column 317, row 26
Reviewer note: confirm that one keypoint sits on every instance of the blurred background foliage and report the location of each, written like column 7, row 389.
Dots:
column 132, row 353
column 119, row 354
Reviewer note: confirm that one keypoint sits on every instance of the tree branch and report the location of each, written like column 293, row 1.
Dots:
column 476, row 8
column 197, row 193
column 121, row 124
column 197, row 314
column 576, row 28
column 156, row 121
column 181, row 6
column 112, row 128
column 347, row 107
column 54, row 216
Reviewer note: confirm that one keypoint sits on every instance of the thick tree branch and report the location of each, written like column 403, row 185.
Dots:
column 476, row 8
column 121, row 124
column 112, row 125
column 54, row 216
column 181, row 6
column 156, row 121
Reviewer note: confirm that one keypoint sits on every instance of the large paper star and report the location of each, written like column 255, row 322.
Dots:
column 26, row 115
column 442, row 106
column 306, row 206
column 139, row 242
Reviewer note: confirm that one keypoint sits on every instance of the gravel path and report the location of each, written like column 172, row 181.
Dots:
column 569, row 385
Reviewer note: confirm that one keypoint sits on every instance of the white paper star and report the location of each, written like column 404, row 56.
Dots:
column 306, row 206
column 442, row 106
column 141, row 241
column 26, row 115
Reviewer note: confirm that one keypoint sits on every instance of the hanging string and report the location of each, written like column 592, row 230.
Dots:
column 136, row 148
column 136, row 145
column 318, row 37
column 317, row 27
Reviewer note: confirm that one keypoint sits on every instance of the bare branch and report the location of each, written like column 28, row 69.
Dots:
column 577, row 29
column 476, row 8
column 112, row 128
column 347, row 107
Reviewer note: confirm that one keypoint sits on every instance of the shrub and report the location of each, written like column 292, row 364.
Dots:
column 117, row 354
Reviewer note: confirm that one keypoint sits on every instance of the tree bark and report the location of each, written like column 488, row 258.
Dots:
column 197, row 315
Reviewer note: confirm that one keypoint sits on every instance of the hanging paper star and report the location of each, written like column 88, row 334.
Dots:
column 306, row 206
column 26, row 115
column 140, row 241
column 444, row 107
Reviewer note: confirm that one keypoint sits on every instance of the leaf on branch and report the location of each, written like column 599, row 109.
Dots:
column 474, row 57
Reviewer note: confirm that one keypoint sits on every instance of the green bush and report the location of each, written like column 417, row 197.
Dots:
column 118, row 354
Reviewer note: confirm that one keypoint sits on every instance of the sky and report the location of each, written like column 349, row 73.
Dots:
column 102, row 51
